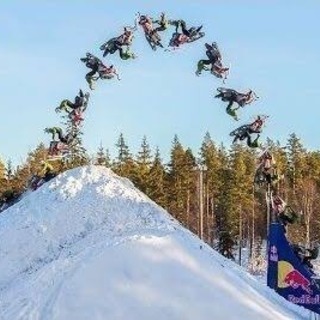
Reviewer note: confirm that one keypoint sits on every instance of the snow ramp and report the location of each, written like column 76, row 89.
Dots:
column 89, row 245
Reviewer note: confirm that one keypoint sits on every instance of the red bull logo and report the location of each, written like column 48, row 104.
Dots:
column 288, row 276
column 295, row 279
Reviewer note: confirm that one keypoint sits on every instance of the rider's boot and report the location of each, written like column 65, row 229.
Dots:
column 90, row 82
column 232, row 113
column 63, row 106
column 125, row 55
column 200, row 67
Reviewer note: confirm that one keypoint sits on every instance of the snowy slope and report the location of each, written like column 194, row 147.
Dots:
column 88, row 245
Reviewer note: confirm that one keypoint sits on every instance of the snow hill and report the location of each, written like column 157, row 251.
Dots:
column 88, row 245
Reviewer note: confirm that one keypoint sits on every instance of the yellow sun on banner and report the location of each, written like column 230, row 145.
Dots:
column 284, row 268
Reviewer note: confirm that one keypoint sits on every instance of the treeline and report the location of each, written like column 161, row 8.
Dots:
column 211, row 193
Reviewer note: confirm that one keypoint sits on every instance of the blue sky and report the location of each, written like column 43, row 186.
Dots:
column 273, row 48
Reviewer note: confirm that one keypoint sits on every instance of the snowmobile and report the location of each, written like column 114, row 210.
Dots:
column 35, row 182
column 225, row 94
column 152, row 37
column 179, row 39
column 240, row 133
column 154, row 40
column 57, row 150
column 219, row 71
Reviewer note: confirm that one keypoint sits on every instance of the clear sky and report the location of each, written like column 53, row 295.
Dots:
column 273, row 48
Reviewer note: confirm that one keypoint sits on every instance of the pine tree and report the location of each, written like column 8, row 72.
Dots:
column 143, row 167
column 103, row 157
column 209, row 156
column 123, row 164
column 181, row 184
column 296, row 162
column 175, row 165
column 3, row 180
column 157, row 181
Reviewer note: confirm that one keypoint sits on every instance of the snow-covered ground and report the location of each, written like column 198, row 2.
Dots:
column 88, row 245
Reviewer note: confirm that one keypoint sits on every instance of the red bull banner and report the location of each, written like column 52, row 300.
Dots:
column 287, row 275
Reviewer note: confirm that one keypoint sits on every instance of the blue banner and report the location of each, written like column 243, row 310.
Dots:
column 287, row 275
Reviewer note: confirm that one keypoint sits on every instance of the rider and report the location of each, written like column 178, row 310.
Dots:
column 305, row 255
column 283, row 213
column 255, row 143
column 151, row 34
column 47, row 171
column 80, row 102
column 232, row 96
column 65, row 139
column 125, row 39
column 56, row 147
column 187, row 32
column 98, row 67
column 186, row 35
column 244, row 132
column 93, row 63
column 162, row 22
column 266, row 168
column 215, row 59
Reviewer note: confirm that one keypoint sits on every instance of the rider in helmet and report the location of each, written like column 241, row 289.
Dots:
column 80, row 103
column 282, row 212
column 214, row 59
column 232, row 96
column 124, row 40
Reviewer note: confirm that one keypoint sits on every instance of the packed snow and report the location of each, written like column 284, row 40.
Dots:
column 89, row 245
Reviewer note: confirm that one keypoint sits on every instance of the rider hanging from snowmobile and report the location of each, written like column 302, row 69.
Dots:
column 80, row 102
column 119, row 43
column 97, row 67
column 245, row 132
column 232, row 96
column 282, row 212
column 75, row 109
column 59, row 147
column 150, row 32
column 215, row 60
column 266, row 171
column 305, row 255
column 186, row 35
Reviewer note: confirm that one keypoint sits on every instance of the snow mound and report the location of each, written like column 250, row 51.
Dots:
column 89, row 245
column 67, row 209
